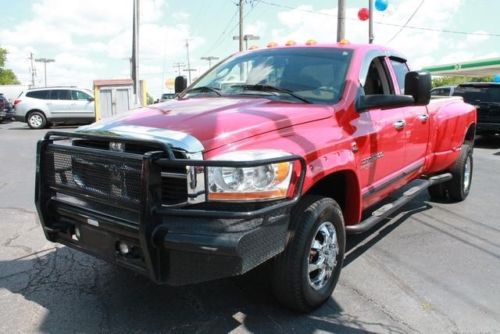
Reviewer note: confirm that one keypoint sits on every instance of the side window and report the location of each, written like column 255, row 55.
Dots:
column 60, row 94
column 65, row 94
column 39, row 94
column 400, row 69
column 79, row 95
column 377, row 81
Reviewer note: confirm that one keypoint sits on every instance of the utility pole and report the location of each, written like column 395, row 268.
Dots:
column 241, row 25
column 44, row 61
column 178, row 66
column 341, row 21
column 209, row 59
column 370, row 23
column 246, row 38
column 32, row 69
column 188, row 69
column 135, row 52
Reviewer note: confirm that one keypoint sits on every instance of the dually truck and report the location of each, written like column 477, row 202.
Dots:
column 270, row 157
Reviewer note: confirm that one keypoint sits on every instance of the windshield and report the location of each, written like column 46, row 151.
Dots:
column 296, row 74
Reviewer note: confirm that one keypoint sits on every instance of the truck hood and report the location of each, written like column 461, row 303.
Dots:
column 215, row 122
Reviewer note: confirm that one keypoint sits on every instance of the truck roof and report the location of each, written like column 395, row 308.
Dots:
column 363, row 48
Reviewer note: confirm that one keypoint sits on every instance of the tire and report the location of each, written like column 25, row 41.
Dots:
column 458, row 188
column 36, row 120
column 294, row 285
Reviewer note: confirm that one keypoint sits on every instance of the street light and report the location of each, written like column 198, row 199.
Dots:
column 44, row 61
column 246, row 38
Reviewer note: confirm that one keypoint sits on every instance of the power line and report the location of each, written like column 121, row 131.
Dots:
column 478, row 33
column 226, row 29
column 407, row 21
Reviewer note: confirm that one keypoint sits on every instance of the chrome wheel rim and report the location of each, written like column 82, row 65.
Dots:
column 467, row 173
column 36, row 121
column 322, row 258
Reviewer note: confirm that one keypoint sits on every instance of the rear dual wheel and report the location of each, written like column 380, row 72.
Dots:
column 458, row 188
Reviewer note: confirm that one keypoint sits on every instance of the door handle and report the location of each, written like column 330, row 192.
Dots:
column 423, row 118
column 399, row 125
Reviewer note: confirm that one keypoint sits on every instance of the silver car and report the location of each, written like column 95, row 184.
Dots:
column 42, row 106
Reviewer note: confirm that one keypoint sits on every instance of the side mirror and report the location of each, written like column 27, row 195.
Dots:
column 383, row 101
column 419, row 85
column 180, row 84
column 90, row 99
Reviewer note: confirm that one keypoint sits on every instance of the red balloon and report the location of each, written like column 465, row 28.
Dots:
column 364, row 14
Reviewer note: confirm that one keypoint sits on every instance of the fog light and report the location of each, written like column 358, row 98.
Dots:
column 123, row 248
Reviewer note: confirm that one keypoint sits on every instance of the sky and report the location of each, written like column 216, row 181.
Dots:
column 92, row 39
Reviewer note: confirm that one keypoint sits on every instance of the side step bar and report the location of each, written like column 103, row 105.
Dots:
column 383, row 212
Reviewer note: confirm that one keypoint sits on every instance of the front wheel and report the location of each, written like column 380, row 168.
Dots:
column 306, row 273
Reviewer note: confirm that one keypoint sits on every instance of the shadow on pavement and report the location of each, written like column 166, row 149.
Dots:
column 81, row 293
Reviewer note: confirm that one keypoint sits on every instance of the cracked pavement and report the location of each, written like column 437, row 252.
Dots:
column 432, row 268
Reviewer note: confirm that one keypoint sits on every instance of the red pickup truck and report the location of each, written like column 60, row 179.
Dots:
column 272, row 156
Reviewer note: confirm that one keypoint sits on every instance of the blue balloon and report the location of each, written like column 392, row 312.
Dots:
column 381, row 5
column 496, row 78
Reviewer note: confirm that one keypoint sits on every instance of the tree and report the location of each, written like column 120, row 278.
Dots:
column 452, row 81
column 7, row 76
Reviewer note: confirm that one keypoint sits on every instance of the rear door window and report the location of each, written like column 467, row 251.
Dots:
column 39, row 94
column 60, row 94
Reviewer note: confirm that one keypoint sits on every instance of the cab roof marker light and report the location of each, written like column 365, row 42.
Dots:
column 290, row 43
column 253, row 47
column 310, row 42
column 272, row 45
column 344, row 42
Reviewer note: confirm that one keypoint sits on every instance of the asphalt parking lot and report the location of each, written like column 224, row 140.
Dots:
column 433, row 268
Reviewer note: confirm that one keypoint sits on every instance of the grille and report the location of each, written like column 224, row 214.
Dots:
column 109, row 178
column 173, row 186
column 112, row 179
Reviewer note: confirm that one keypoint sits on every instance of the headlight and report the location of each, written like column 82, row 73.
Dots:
column 263, row 182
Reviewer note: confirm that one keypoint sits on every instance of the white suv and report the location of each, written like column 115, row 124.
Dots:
column 41, row 106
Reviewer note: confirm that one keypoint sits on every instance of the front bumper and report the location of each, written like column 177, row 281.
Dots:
column 172, row 245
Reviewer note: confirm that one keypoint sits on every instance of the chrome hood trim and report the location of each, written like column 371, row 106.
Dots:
column 176, row 139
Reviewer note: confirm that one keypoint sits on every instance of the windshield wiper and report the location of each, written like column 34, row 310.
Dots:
column 269, row 88
column 204, row 89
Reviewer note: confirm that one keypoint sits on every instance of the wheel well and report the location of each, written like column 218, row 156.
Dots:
column 32, row 111
column 469, row 135
column 343, row 187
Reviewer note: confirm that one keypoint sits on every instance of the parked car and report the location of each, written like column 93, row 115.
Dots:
column 167, row 96
column 443, row 91
column 67, row 105
column 273, row 164
column 486, row 97
column 4, row 108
